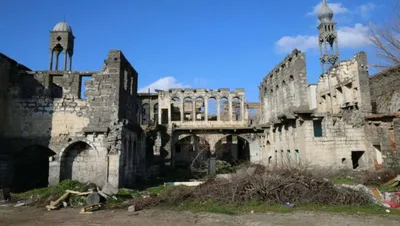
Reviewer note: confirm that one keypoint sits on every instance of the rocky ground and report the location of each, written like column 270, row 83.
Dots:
column 34, row 216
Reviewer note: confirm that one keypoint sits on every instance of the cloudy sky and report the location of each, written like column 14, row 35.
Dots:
column 187, row 43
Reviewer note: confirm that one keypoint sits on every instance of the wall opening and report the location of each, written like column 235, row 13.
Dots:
column 233, row 149
column 224, row 109
column 212, row 109
column 30, row 168
column 236, row 109
column 356, row 159
column 200, row 109
column 176, row 106
column 378, row 153
column 145, row 114
column 192, row 152
column 188, row 109
column 289, row 156
column 164, row 116
column 297, row 155
column 82, row 86
column 317, row 125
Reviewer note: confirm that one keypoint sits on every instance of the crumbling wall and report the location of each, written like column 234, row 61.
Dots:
column 385, row 91
column 345, row 85
column 284, row 89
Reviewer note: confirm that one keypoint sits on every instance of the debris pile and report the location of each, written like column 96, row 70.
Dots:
column 280, row 186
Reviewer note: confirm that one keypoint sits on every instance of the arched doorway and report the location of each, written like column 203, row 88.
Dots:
column 192, row 152
column 31, row 168
column 81, row 162
column 233, row 149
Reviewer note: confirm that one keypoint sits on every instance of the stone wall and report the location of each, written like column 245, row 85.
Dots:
column 284, row 89
column 84, row 136
column 345, row 85
column 385, row 91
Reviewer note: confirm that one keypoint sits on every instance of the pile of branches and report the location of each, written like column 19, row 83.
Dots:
column 281, row 186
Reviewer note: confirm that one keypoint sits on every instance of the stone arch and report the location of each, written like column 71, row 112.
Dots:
column 81, row 161
column 200, row 112
column 233, row 148
column 224, row 108
column 236, row 108
column 188, row 109
column 176, row 108
column 145, row 114
column 192, row 151
column 30, row 168
column 155, row 113
column 212, row 111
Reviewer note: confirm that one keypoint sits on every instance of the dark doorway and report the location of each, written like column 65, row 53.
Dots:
column 31, row 168
column 164, row 116
column 233, row 149
column 356, row 159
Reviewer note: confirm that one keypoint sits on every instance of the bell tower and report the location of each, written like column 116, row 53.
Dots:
column 327, row 38
column 61, row 39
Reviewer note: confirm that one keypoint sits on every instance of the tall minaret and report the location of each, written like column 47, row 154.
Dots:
column 327, row 35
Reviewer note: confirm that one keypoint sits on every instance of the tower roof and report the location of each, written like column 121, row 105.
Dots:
column 63, row 26
column 325, row 14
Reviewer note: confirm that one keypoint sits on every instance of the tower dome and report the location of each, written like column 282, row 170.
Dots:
column 325, row 14
column 63, row 26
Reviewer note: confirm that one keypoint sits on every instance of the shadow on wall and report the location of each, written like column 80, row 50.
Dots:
column 24, row 154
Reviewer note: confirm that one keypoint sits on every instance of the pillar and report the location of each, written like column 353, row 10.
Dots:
column 51, row 60
column 70, row 62
column 57, row 56
column 242, row 110
column 230, row 109
column 181, row 110
column 65, row 60
column 194, row 109
column 212, row 169
column 205, row 109
column 169, row 112
column 218, row 109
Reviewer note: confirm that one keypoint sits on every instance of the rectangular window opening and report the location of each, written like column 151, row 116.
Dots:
column 82, row 86
column 317, row 124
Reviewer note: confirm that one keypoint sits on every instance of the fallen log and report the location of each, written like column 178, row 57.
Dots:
column 90, row 208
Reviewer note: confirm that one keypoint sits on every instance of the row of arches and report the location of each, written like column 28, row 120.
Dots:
column 206, row 109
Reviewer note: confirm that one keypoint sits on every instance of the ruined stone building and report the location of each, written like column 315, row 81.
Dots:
column 348, row 120
column 53, row 130
column 93, row 126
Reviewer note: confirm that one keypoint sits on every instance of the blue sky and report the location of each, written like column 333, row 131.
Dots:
column 186, row 43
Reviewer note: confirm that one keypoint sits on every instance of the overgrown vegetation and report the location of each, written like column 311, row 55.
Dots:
column 42, row 196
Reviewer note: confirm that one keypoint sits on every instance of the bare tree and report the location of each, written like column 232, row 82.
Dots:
column 386, row 39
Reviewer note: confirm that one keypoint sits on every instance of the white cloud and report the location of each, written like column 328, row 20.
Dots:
column 349, row 37
column 365, row 9
column 164, row 83
column 337, row 8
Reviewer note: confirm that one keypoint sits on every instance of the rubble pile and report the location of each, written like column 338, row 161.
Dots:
column 276, row 187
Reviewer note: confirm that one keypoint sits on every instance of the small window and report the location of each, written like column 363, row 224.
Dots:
column 317, row 124
column 82, row 86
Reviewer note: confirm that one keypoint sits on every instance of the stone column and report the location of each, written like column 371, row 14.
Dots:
column 218, row 109
column 212, row 169
column 242, row 109
column 181, row 110
column 205, row 109
column 57, row 56
column 65, row 60
column 230, row 108
column 51, row 60
column 70, row 62
column 169, row 112
column 194, row 109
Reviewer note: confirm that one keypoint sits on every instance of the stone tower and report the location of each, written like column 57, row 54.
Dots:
column 61, row 39
column 327, row 35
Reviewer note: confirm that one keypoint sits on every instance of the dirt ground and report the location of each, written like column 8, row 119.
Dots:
column 34, row 216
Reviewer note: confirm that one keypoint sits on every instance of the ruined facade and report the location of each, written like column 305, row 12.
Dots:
column 67, row 124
